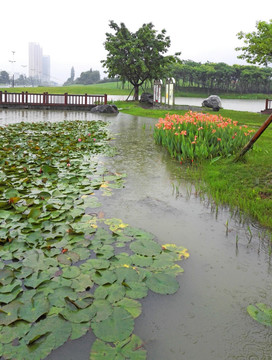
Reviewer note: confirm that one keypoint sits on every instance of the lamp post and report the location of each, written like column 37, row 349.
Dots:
column 24, row 75
column 12, row 61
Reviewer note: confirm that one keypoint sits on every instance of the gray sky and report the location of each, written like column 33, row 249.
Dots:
column 72, row 33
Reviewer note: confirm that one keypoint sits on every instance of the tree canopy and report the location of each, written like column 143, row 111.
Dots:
column 258, row 44
column 137, row 57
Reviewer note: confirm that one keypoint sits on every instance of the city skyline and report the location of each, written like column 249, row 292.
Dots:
column 38, row 64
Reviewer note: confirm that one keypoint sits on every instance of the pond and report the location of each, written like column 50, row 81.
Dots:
column 230, row 104
column 226, row 271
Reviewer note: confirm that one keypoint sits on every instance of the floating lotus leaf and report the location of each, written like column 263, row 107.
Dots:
column 177, row 252
column 138, row 233
column 145, row 247
column 35, row 308
column 130, row 348
column 141, row 260
column 126, row 273
column 103, row 310
column 6, row 298
column 34, row 259
column 9, row 313
column 112, row 292
column 68, row 258
column 132, row 306
column 6, row 276
column 82, row 282
column 70, row 272
column 10, row 287
column 5, row 214
column 261, row 313
column 104, row 277
column 43, row 337
column 115, row 224
column 117, row 327
column 82, row 252
column 162, row 283
column 105, row 252
column 101, row 350
column 78, row 330
column 79, row 315
column 37, row 279
column 84, row 300
column 136, row 290
column 13, row 331
column 57, row 297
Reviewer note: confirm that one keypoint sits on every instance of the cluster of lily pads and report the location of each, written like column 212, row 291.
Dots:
column 65, row 269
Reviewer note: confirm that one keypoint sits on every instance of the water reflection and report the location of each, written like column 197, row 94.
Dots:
column 227, row 270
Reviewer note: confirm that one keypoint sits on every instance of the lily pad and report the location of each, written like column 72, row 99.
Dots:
column 117, row 327
column 261, row 313
column 145, row 247
column 162, row 283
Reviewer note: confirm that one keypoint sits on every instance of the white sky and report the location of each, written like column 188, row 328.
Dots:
column 72, row 33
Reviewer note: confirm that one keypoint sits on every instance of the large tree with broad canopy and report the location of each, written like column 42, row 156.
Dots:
column 137, row 57
column 258, row 44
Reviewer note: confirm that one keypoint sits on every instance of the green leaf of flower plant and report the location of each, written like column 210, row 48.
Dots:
column 162, row 283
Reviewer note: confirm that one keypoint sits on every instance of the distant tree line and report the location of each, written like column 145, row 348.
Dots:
column 85, row 78
column 221, row 77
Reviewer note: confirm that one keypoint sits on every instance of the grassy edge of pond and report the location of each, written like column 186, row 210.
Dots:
column 245, row 186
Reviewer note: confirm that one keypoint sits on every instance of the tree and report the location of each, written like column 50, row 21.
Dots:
column 4, row 77
column 137, row 57
column 88, row 77
column 258, row 44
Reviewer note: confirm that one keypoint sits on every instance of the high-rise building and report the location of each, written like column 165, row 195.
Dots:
column 38, row 65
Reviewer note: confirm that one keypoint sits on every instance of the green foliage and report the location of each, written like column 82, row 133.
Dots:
column 197, row 136
column 261, row 313
column 136, row 57
column 61, row 271
column 258, row 44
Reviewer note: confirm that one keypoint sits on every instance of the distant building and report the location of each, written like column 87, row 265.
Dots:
column 38, row 65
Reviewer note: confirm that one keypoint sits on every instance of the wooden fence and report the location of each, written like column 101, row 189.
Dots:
column 45, row 100
column 268, row 107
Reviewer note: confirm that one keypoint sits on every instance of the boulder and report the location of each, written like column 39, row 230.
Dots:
column 146, row 98
column 214, row 102
column 105, row 109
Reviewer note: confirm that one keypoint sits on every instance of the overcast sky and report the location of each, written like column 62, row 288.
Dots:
column 72, row 33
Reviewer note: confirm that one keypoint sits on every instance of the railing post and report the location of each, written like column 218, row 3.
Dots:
column 106, row 99
column 23, row 97
column 26, row 97
column 6, row 96
column 266, row 104
column 0, row 97
column 86, row 100
column 65, row 98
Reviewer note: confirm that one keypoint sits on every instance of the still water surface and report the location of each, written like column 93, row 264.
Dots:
column 206, row 319
column 230, row 104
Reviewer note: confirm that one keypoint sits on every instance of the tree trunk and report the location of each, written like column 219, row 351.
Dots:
column 136, row 92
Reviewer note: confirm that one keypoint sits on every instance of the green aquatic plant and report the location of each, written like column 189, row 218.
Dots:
column 65, row 269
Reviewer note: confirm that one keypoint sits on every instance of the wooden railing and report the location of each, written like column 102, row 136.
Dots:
column 268, row 107
column 268, row 104
column 51, row 100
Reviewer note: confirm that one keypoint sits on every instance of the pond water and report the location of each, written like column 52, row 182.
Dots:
column 207, row 318
column 230, row 104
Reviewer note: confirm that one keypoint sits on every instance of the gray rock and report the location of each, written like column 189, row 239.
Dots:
column 146, row 98
column 214, row 102
column 105, row 109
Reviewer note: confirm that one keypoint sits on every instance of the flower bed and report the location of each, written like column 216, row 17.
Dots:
column 200, row 136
